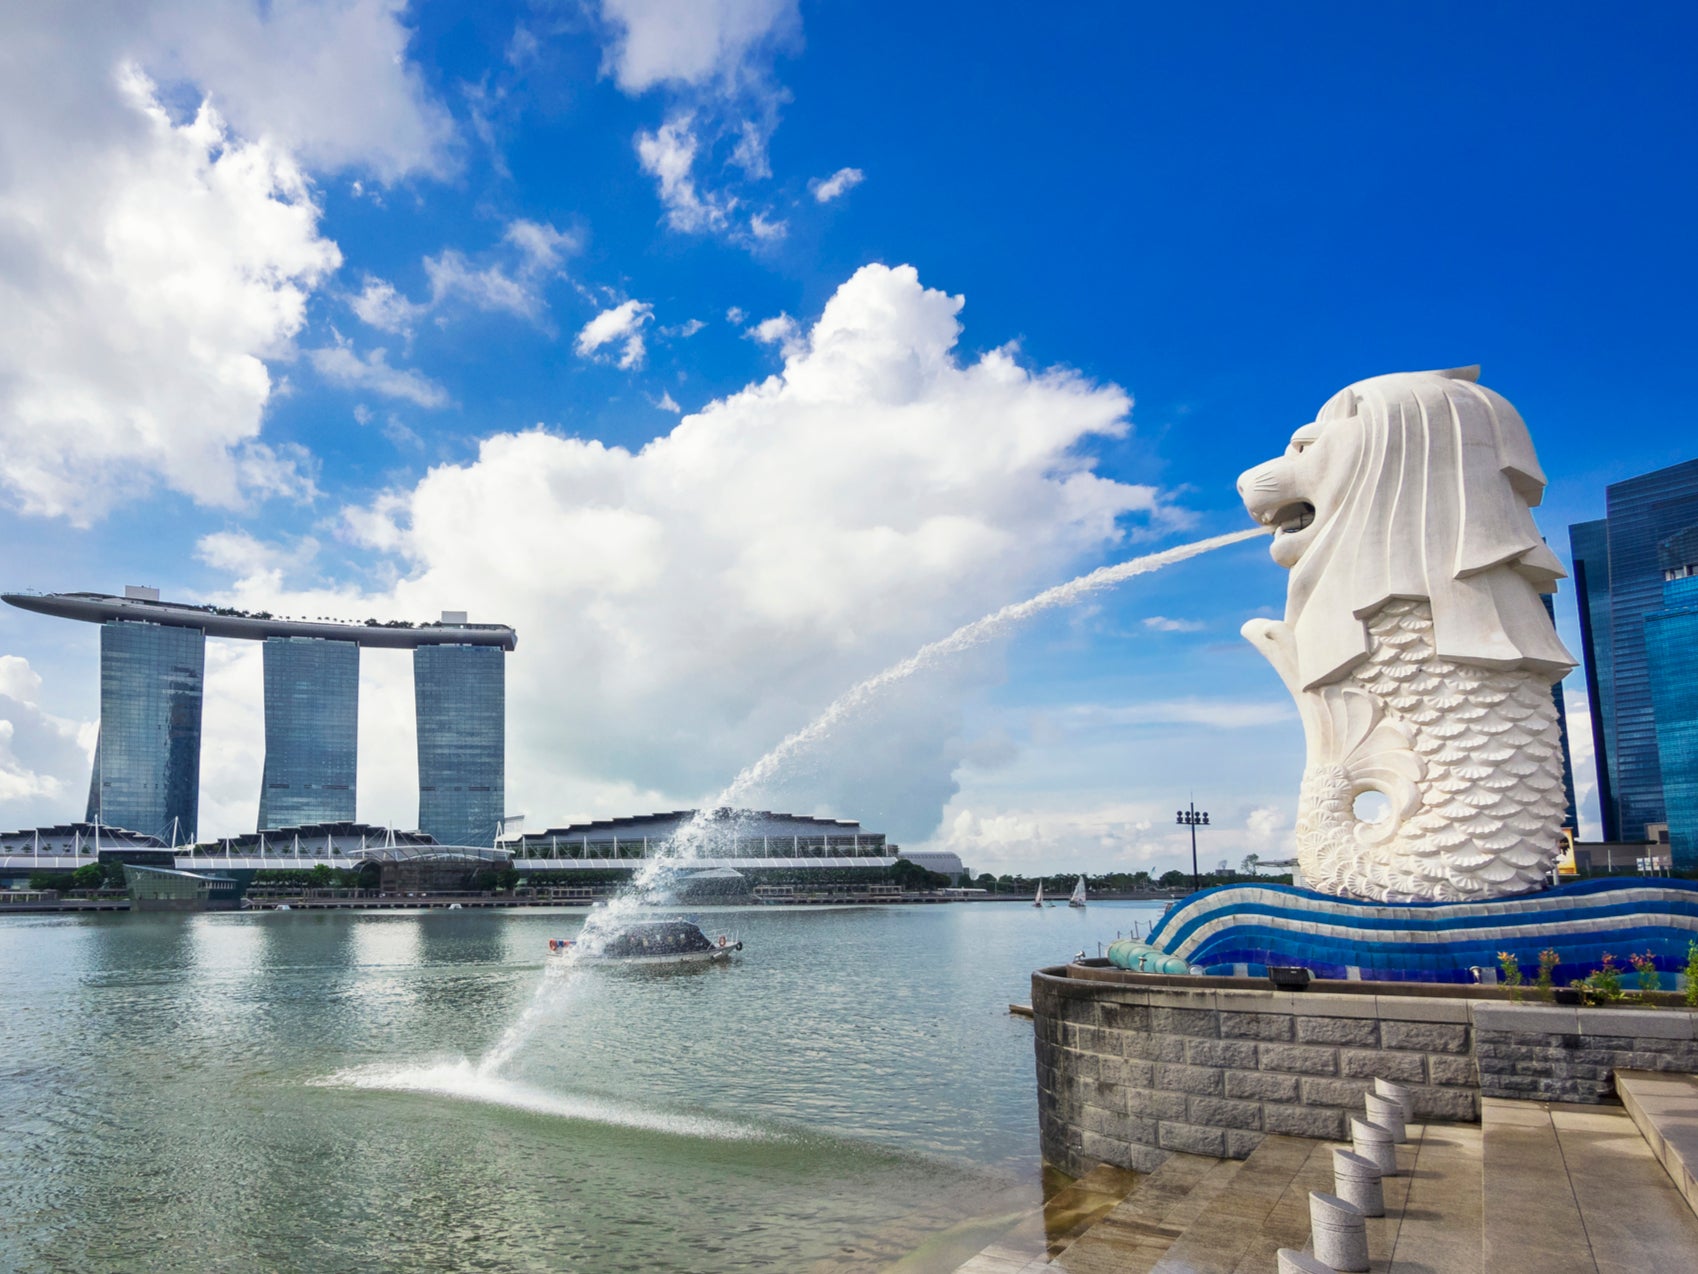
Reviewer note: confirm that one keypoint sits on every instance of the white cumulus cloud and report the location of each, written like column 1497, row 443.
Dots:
column 683, row 607
column 151, row 269
column 154, row 259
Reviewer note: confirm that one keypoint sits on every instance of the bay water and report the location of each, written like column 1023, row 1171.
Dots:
column 421, row 1091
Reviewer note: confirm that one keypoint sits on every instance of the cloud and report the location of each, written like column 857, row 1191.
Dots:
column 151, row 269
column 1218, row 714
column 44, row 759
column 780, row 330
column 492, row 288
column 537, row 253
column 328, row 80
column 666, row 402
column 544, row 248
column 239, row 553
column 624, row 322
column 841, row 182
column 1267, row 827
column 668, row 155
column 703, row 43
column 379, row 305
column 1162, row 624
column 341, row 365
column 711, row 592
column 714, row 58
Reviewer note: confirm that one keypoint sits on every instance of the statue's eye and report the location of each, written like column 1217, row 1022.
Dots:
column 1300, row 447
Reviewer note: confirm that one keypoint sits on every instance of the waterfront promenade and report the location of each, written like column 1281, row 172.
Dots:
column 1534, row 1188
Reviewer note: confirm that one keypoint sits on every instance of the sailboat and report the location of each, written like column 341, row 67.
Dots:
column 1039, row 900
column 1078, row 897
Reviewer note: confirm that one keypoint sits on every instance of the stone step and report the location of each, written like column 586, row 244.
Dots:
column 1577, row 1188
column 1042, row 1233
column 1223, row 1238
column 1138, row 1231
column 1664, row 1107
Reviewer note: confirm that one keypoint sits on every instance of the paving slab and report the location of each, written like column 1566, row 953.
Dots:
column 1665, row 1109
column 1635, row 1218
column 1532, row 1220
column 1438, row 1228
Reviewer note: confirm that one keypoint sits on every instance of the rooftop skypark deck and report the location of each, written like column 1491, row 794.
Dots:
column 99, row 608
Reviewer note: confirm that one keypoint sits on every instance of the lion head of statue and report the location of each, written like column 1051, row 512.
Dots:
column 1414, row 485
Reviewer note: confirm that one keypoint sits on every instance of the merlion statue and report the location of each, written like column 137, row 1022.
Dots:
column 1415, row 640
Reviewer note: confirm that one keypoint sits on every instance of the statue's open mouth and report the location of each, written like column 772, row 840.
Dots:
column 1288, row 519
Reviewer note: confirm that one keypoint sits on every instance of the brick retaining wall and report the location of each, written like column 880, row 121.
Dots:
column 1133, row 1067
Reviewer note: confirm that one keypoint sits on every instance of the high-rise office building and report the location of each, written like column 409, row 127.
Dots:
column 312, row 709
column 147, row 761
column 460, row 696
column 1671, row 653
column 1619, row 580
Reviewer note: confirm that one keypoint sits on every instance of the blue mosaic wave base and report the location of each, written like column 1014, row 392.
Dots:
column 1241, row 929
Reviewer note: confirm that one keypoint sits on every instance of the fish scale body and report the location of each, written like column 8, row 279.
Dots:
column 1483, row 750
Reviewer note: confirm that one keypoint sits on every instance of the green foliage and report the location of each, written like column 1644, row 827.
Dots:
column 909, row 875
column 1692, row 974
column 1511, row 967
column 1548, row 961
column 1602, row 985
column 88, row 877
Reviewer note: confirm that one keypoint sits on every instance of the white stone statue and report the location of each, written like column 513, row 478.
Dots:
column 1415, row 640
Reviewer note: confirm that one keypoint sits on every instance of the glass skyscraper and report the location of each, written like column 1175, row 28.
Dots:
column 1671, row 652
column 312, row 709
column 460, row 695
column 1620, row 580
column 147, row 761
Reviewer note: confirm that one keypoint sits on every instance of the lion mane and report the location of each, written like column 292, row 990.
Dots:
column 1437, row 507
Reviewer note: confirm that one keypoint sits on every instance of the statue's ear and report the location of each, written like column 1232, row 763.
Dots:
column 1461, row 373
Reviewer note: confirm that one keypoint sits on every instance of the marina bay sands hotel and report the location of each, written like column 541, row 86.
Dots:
column 152, row 664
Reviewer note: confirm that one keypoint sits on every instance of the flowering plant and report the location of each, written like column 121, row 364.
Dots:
column 1646, row 967
column 1548, row 961
column 1511, row 967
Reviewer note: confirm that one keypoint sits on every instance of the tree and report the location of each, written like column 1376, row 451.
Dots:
column 1250, row 863
column 1175, row 879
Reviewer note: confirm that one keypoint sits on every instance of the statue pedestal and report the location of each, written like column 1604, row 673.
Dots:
column 1239, row 930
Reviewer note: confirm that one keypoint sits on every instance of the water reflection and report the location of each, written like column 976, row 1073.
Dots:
column 257, row 1091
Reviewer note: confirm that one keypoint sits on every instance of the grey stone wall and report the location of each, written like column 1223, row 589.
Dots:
column 1551, row 1053
column 1131, row 1068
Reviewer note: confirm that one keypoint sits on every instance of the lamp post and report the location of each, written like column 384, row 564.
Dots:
column 1191, row 818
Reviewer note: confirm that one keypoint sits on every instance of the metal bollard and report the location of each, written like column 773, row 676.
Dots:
column 1374, row 1144
column 1292, row 1261
column 1338, row 1231
column 1357, row 1181
column 1399, row 1094
column 1388, row 1114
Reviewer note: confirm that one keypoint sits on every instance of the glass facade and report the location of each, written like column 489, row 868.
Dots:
column 147, row 762
column 460, row 694
column 1671, row 649
column 312, row 709
column 1589, row 542
column 1641, row 513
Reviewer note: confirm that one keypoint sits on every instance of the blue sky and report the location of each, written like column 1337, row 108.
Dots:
column 732, row 350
